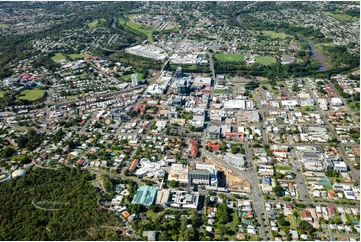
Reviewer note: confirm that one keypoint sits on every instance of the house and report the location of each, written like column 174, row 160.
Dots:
column 214, row 145
column 151, row 235
column 209, row 229
column 212, row 212
column 294, row 234
column 331, row 211
column 306, row 216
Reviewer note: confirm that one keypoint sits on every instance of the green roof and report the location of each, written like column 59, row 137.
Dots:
column 145, row 195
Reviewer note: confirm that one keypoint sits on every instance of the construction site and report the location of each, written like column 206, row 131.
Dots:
column 233, row 182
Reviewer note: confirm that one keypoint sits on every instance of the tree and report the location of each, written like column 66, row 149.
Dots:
column 223, row 146
column 278, row 190
column 306, row 227
column 282, row 221
column 8, row 152
column 173, row 183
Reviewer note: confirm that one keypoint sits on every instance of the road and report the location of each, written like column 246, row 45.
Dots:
column 254, row 196
column 355, row 176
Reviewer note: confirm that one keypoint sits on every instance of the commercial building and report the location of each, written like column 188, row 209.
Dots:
column 182, row 199
column 145, row 195
column 135, row 80
column 179, row 72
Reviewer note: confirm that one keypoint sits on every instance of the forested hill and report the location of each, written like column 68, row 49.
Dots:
column 70, row 191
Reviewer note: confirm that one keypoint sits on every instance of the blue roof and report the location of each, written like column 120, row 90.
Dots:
column 145, row 195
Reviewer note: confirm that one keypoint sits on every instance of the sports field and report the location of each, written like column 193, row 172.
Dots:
column 265, row 60
column 58, row 56
column 31, row 95
column 229, row 57
column 274, row 35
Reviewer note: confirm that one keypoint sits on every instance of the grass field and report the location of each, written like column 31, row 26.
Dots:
column 265, row 60
column 128, row 77
column 292, row 220
column 229, row 57
column 31, row 95
column 284, row 168
column 4, row 25
column 222, row 91
column 58, row 56
column 2, row 94
column 341, row 17
column 143, row 29
column 274, row 35
column 151, row 214
column 93, row 24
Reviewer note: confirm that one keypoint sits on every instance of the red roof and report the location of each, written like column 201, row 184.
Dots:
column 214, row 146
column 80, row 162
column 331, row 210
column 356, row 150
column 133, row 165
column 194, row 151
column 193, row 141
column 305, row 214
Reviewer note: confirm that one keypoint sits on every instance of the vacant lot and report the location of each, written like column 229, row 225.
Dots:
column 284, row 168
column 265, row 60
column 274, row 35
column 229, row 57
column 292, row 220
column 31, row 95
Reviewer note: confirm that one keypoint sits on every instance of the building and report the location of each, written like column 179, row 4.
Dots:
column 18, row 173
column 182, row 199
column 336, row 102
column 151, row 235
column 182, row 86
column 145, row 195
column 179, row 72
column 323, row 104
column 134, row 164
column 266, row 180
column 199, row 177
column 214, row 132
column 212, row 171
column 340, row 166
column 135, row 80
column 179, row 173
column 306, row 216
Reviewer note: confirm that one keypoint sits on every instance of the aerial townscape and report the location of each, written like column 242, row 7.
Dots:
column 180, row 121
